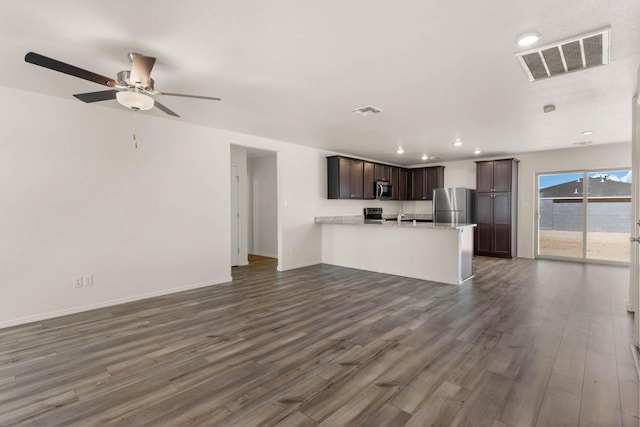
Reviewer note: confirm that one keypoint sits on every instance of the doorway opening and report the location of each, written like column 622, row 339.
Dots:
column 263, row 207
column 584, row 216
column 258, row 234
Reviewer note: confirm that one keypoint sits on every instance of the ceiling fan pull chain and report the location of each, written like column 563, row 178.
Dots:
column 135, row 141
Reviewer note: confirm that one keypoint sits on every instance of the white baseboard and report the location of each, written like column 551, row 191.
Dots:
column 109, row 303
column 294, row 266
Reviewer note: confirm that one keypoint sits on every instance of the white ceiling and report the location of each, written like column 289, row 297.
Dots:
column 293, row 70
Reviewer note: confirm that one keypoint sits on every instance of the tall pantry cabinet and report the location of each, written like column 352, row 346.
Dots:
column 496, row 208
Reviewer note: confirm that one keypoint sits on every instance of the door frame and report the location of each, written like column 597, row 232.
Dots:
column 234, row 257
column 634, row 273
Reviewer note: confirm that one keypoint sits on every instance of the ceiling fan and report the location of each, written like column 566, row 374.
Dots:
column 132, row 88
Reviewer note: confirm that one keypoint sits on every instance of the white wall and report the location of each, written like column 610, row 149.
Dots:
column 605, row 156
column 263, row 224
column 77, row 199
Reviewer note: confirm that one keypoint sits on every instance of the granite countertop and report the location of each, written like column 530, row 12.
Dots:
column 359, row 220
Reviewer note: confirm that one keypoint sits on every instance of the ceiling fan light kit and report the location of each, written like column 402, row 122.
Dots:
column 132, row 89
column 135, row 100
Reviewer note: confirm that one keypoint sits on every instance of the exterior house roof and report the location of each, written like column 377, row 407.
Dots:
column 598, row 187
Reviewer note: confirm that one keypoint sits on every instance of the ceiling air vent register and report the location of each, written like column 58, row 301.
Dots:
column 574, row 54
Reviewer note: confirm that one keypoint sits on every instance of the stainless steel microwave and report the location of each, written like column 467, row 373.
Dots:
column 383, row 190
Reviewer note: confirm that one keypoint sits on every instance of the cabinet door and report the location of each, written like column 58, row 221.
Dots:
column 402, row 185
column 382, row 172
column 434, row 179
column 484, row 177
column 344, row 171
column 502, row 175
column 395, row 186
column 368, row 180
column 417, row 184
column 484, row 229
column 356, row 173
column 502, row 223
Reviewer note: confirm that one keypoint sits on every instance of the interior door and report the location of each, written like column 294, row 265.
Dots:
column 235, row 215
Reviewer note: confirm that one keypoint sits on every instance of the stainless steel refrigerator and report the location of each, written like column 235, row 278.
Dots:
column 454, row 205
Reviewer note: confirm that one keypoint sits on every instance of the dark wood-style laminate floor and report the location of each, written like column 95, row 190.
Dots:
column 525, row 343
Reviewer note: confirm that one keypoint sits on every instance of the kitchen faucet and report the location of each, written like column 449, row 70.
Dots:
column 400, row 216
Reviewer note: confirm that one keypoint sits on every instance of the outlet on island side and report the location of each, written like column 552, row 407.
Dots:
column 77, row 282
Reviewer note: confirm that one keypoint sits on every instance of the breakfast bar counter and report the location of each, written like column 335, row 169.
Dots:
column 423, row 250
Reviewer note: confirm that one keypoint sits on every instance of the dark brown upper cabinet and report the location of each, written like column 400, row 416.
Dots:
column 382, row 172
column 399, row 183
column 369, row 180
column 350, row 178
column 495, row 175
column 403, row 184
column 424, row 180
column 345, row 178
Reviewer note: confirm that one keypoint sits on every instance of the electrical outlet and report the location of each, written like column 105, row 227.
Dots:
column 77, row 282
column 87, row 280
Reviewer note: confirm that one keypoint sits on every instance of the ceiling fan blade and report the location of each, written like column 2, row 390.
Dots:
column 141, row 67
column 190, row 96
column 104, row 95
column 53, row 64
column 165, row 109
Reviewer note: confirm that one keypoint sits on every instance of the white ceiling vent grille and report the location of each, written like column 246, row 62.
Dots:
column 574, row 54
column 366, row 110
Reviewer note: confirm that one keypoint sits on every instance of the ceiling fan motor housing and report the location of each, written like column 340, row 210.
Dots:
column 123, row 79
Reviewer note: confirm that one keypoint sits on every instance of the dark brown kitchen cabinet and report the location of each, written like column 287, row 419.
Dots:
column 495, row 175
column 403, row 183
column 369, row 180
column 417, row 184
column 345, row 178
column 350, row 178
column 382, row 172
column 434, row 179
column 424, row 180
column 496, row 208
column 399, row 183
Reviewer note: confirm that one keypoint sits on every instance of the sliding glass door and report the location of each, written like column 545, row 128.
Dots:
column 584, row 215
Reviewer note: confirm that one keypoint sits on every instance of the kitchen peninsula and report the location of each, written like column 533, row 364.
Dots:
column 427, row 251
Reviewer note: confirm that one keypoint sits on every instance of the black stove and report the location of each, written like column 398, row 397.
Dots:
column 373, row 215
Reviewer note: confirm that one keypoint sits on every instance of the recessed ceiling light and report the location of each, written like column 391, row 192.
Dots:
column 587, row 132
column 424, row 157
column 477, row 151
column 457, row 143
column 527, row 39
column 400, row 150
